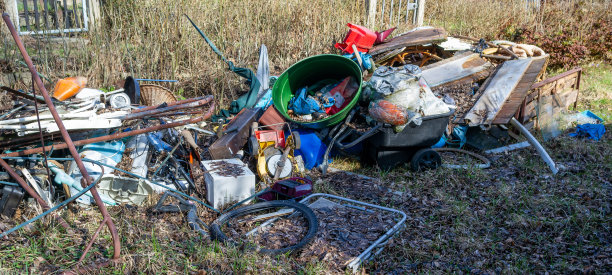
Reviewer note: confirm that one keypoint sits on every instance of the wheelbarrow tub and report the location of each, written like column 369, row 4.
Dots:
column 418, row 136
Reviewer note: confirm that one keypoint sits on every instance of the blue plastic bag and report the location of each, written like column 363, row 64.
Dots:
column 302, row 104
column 590, row 131
column 366, row 59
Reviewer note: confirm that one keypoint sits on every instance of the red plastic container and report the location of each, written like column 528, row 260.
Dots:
column 278, row 136
column 272, row 119
column 359, row 36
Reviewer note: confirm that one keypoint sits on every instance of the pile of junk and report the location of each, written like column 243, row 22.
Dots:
column 389, row 102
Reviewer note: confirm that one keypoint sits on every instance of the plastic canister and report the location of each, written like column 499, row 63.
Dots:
column 68, row 87
column 311, row 149
column 359, row 36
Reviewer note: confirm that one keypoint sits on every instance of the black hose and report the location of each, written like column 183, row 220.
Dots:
column 311, row 219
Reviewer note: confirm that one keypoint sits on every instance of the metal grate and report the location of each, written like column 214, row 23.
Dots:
column 52, row 16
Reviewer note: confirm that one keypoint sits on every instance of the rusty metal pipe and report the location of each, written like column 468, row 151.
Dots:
column 93, row 238
column 24, row 95
column 168, row 109
column 113, row 136
column 168, row 104
column 65, row 135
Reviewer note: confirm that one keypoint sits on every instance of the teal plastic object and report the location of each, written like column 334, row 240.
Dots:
column 310, row 71
column 62, row 178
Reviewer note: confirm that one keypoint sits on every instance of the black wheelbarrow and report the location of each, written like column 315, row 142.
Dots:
column 384, row 147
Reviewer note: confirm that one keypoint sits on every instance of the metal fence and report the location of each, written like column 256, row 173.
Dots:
column 386, row 13
column 52, row 16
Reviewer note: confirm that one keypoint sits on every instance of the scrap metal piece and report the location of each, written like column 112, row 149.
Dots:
column 10, row 197
column 235, row 135
column 378, row 245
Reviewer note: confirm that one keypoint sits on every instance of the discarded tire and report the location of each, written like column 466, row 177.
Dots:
column 311, row 219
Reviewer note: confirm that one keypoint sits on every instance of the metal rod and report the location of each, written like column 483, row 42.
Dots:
column 168, row 104
column 113, row 136
column 65, row 9
column 27, row 16
column 74, row 11
column 36, row 15
column 155, row 80
column 55, row 18
column 46, row 14
column 93, row 238
column 42, row 139
column 24, row 95
column 68, row 140
column 167, row 109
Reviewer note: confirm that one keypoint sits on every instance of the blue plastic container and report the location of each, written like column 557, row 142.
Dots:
column 312, row 148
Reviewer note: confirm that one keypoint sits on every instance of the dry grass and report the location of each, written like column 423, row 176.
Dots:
column 152, row 39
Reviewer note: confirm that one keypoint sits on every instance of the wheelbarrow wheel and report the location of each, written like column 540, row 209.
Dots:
column 425, row 159
column 253, row 145
column 297, row 142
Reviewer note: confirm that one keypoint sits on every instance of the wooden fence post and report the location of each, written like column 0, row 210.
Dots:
column 371, row 4
column 420, row 12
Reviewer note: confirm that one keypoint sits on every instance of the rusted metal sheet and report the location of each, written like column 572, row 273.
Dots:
column 235, row 135
column 414, row 38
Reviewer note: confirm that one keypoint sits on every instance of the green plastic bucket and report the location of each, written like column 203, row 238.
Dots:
column 308, row 72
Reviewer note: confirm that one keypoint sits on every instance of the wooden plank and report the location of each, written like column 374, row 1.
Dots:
column 568, row 98
column 530, row 110
column 461, row 68
column 555, row 78
column 517, row 96
column 419, row 37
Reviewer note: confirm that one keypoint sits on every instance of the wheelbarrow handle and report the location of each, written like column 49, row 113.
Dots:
column 365, row 135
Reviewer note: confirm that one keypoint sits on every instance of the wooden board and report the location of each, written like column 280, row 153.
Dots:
column 564, row 87
column 516, row 98
column 418, row 37
column 462, row 68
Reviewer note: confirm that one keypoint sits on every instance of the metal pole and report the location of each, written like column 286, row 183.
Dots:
column 77, row 158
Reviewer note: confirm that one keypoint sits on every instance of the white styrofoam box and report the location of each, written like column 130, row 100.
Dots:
column 225, row 189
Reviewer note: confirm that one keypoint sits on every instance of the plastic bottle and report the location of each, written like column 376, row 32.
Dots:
column 68, row 87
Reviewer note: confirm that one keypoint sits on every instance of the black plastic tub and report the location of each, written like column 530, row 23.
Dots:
column 424, row 135
column 388, row 149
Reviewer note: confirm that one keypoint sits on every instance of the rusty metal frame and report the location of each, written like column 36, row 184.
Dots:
column 71, row 146
column 87, row 180
column 114, row 136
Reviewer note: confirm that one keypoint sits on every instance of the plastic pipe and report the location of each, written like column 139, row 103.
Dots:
column 534, row 142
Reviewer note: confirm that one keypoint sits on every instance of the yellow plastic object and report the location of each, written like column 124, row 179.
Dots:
column 68, row 87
